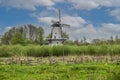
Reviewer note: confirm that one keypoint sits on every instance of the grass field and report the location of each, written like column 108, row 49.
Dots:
column 87, row 71
column 34, row 62
column 92, row 70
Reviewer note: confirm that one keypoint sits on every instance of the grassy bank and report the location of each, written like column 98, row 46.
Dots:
column 38, row 51
column 89, row 71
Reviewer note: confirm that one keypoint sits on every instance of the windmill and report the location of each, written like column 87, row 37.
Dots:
column 56, row 32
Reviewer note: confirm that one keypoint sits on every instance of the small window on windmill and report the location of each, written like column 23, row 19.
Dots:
column 57, row 42
column 55, row 37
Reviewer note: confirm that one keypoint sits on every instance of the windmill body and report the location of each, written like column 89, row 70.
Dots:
column 56, row 34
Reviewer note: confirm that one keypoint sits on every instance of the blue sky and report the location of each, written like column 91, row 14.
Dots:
column 88, row 18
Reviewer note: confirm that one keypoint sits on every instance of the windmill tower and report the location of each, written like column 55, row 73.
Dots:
column 56, row 32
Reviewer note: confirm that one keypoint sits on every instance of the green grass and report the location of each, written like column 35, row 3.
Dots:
column 38, row 51
column 88, row 71
column 60, row 71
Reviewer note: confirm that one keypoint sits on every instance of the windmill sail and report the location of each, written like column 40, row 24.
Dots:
column 59, row 16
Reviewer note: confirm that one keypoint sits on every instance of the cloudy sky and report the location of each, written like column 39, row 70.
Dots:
column 88, row 18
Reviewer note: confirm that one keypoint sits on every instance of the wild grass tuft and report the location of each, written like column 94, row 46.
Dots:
column 63, row 50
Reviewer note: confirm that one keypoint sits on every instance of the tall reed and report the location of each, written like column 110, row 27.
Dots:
column 65, row 50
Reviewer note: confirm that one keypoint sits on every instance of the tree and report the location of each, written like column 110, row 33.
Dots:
column 40, row 35
column 32, row 33
column 6, row 39
column 69, row 42
column 85, row 41
column 111, row 41
column 65, row 35
column 117, row 40
column 96, row 41
column 18, row 39
column 76, row 42
column 7, row 36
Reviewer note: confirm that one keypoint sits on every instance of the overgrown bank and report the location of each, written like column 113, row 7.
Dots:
column 44, row 51
column 60, row 72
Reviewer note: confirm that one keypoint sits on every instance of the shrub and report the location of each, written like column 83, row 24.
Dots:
column 5, row 51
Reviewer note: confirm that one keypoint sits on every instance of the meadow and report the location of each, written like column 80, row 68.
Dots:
column 35, row 62
column 84, row 71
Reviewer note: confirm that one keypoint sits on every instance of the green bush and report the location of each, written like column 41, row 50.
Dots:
column 5, row 51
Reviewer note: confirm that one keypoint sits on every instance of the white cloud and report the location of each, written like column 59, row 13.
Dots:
column 46, row 20
column 7, row 28
column 0, row 2
column 115, row 13
column 91, row 32
column 113, row 3
column 75, row 22
column 84, row 4
column 71, row 20
column 78, row 4
column 92, row 4
column 80, row 28
column 95, row 4
column 111, row 28
column 60, row 1
column 27, row 4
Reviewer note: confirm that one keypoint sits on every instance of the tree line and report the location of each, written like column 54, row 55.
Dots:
column 27, row 34
column 84, row 41
column 31, row 34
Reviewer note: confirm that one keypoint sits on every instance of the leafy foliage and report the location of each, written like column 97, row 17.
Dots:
column 17, row 39
column 33, row 34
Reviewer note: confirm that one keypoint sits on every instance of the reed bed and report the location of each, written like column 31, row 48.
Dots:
column 65, row 50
